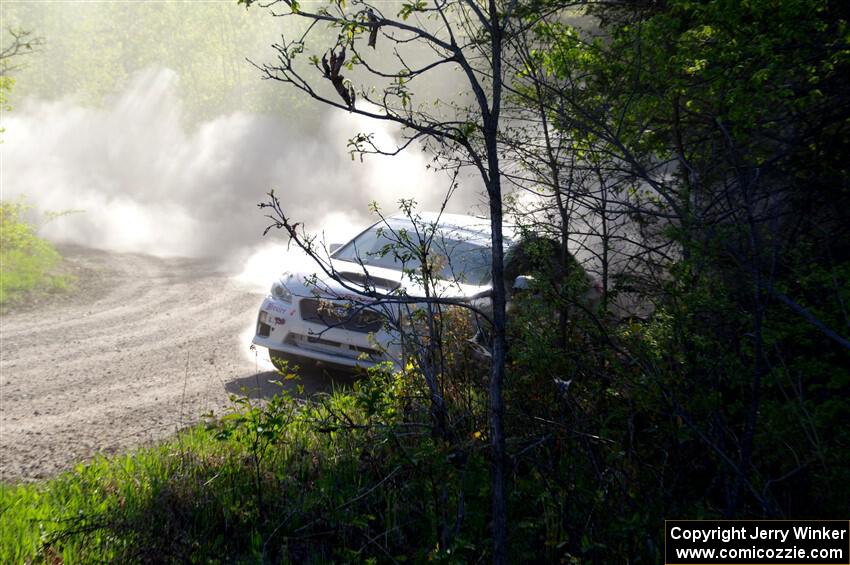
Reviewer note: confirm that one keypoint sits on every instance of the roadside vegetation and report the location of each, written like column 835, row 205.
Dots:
column 352, row 476
column 28, row 262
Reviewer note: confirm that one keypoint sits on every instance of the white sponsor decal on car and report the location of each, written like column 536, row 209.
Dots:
column 272, row 307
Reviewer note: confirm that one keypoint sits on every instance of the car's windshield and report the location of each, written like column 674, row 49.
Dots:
column 453, row 258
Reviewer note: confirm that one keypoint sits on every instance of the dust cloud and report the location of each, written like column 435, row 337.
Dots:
column 148, row 183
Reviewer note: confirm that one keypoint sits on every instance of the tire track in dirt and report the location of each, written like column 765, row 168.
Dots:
column 148, row 345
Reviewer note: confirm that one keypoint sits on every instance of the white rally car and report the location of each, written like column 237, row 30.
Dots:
column 331, row 319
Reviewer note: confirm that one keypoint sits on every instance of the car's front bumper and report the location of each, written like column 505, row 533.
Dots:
column 281, row 328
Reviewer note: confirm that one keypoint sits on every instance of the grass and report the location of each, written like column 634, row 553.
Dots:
column 277, row 481
column 66, row 516
column 26, row 260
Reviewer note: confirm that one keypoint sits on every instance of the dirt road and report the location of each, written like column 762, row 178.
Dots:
column 145, row 347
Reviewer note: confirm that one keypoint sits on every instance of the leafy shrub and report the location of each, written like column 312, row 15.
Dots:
column 26, row 260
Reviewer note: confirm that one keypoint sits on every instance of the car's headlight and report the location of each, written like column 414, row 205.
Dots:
column 280, row 292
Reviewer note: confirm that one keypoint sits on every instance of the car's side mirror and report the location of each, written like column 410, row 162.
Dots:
column 334, row 246
column 523, row 282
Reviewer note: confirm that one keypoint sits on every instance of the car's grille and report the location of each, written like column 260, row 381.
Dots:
column 314, row 343
column 337, row 315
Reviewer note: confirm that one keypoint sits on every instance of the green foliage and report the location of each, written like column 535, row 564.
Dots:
column 26, row 260
column 725, row 402
column 6, row 84
column 730, row 94
column 409, row 8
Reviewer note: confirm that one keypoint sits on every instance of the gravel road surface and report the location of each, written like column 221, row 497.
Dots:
column 144, row 347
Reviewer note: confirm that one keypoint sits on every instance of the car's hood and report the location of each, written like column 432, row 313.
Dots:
column 355, row 278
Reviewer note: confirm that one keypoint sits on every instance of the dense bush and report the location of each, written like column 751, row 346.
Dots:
column 26, row 260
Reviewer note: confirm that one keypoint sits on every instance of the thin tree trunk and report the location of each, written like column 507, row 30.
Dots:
column 497, row 408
